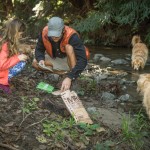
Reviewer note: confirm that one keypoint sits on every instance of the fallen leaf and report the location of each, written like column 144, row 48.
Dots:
column 9, row 124
column 101, row 129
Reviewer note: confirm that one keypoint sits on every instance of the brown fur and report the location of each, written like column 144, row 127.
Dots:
column 139, row 53
column 143, row 86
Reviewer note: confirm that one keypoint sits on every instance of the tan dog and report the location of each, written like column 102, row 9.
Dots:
column 143, row 86
column 139, row 53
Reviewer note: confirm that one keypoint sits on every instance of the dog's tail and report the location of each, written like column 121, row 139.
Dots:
column 136, row 39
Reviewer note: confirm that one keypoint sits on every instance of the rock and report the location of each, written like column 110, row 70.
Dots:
column 119, row 62
column 96, row 57
column 108, row 96
column 91, row 109
column 124, row 98
column 100, row 77
column 106, row 59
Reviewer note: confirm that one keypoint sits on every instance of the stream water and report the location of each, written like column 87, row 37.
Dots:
column 123, row 53
column 117, row 53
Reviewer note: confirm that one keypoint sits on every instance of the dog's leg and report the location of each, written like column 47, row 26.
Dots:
column 146, row 102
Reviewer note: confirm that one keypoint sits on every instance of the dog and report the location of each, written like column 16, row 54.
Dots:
column 143, row 86
column 139, row 53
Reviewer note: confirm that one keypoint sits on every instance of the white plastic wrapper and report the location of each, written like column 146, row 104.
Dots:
column 45, row 67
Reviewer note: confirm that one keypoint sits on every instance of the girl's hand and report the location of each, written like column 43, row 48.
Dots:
column 23, row 57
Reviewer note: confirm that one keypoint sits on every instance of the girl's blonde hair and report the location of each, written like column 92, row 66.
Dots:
column 11, row 35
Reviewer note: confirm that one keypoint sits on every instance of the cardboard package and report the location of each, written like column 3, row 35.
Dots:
column 75, row 107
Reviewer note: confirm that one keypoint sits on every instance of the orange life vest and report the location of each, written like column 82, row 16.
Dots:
column 68, row 32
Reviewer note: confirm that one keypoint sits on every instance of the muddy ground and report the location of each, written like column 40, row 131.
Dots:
column 32, row 119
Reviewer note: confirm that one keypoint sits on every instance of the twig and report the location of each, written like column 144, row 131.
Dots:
column 18, row 136
column 37, row 122
column 24, row 119
column 23, row 116
column 1, row 129
column 8, row 146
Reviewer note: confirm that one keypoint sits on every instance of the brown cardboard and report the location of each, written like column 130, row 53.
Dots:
column 75, row 107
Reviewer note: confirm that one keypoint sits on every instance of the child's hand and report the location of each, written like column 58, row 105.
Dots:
column 23, row 57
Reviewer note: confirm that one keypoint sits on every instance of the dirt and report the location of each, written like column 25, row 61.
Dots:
column 21, row 124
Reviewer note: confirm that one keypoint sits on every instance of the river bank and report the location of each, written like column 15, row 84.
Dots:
column 32, row 119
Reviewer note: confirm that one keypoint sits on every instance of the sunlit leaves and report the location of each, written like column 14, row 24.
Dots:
column 38, row 7
column 121, row 12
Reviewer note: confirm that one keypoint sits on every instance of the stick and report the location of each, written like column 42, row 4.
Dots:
column 36, row 122
column 8, row 146
column 24, row 119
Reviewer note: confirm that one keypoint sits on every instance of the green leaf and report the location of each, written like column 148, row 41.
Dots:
column 83, row 125
column 89, row 132
column 94, row 126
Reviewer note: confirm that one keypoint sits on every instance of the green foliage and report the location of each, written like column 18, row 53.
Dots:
column 140, row 122
column 59, row 130
column 134, row 130
column 35, row 13
column 104, row 146
column 147, row 37
column 103, row 23
column 56, row 128
column 90, row 85
column 50, row 127
column 126, row 129
column 132, row 12
column 93, row 22
column 114, row 13
column 29, row 105
column 89, row 129
column 81, row 91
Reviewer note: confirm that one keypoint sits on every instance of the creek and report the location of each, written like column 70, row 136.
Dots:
column 134, row 104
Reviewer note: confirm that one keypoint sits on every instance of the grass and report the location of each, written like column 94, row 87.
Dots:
column 135, row 130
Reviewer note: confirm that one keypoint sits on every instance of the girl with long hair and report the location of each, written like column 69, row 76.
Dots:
column 11, row 61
